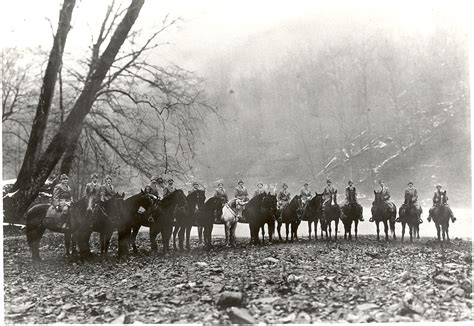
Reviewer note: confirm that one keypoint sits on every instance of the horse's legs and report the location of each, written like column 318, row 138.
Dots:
column 232, row 233
column 336, row 221
column 33, row 236
column 378, row 230
column 356, row 226
column 287, row 229
column 175, row 232
column 67, row 242
column 124, row 239
column 107, row 240
column 73, row 244
column 330, row 230
column 200, row 231
column 153, row 234
column 182, row 230
column 385, row 224
column 102, row 240
column 309, row 230
column 188, row 236
column 226, row 229
column 263, row 233
column 403, row 230
column 412, row 231
column 278, row 230
column 166, row 234
column 134, row 238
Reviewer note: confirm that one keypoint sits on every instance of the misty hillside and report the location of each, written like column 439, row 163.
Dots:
column 380, row 104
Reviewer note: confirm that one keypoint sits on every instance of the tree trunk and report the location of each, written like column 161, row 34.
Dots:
column 38, row 129
column 70, row 130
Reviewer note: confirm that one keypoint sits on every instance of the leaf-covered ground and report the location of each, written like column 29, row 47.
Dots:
column 354, row 281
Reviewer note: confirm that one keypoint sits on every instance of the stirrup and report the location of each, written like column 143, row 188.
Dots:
column 429, row 219
column 420, row 221
column 453, row 219
column 397, row 220
column 371, row 219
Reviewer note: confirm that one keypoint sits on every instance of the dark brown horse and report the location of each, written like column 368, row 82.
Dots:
column 383, row 212
column 291, row 216
column 36, row 224
column 166, row 213
column 104, row 219
column 195, row 201
column 409, row 214
column 261, row 210
column 313, row 212
column 441, row 217
column 351, row 212
column 331, row 212
column 206, row 216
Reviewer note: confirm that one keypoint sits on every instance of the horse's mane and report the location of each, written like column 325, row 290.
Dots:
column 256, row 200
column 212, row 201
column 294, row 201
column 315, row 199
column 168, row 200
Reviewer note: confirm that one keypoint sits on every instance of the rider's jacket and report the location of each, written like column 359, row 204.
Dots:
column 62, row 194
column 106, row 192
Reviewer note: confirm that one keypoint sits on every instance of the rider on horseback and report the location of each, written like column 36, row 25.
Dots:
column 93, row 185
column 328, row 192
column 152, row 187
column 437, row 202
column 242, row 197
column 169, row 188
column 283, row 197
column 259, row 189
column 411, row 195
column 62, row 199
column 221, row 194
column 195, row 187
column 305, row 194
column 385, row 196
column 107, row 190
column 351, row 197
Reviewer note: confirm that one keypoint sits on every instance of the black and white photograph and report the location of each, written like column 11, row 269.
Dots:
column 236, row 162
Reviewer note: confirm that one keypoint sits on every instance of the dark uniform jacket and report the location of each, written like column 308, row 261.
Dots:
column 106, row 192
column 168, row 190
column 351, row 192
column 221, row 194
column 91, row 187
column 62, row 195
column 241, row 193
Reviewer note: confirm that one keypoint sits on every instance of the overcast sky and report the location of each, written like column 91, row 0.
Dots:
column 210, row 26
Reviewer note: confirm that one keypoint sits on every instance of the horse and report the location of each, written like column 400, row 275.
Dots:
column 207, row 215
column 441, row 218
column 135, row 213
column 260, row 210
column 331, row 212
column 37, row 223
column 229, row 219
column 383, row 212
column 104, row 218
column 291, row 215
column 351, row 211
column 313, row 212
column 410, row 215
column 165, row 213
column 195, row 200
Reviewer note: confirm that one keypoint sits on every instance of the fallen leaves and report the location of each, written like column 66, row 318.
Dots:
column 303, row 282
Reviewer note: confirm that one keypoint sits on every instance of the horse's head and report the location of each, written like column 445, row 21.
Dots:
column 318, row 200
column 333, row 198
column 90, row 199
column 114, row 205
column 269, row 203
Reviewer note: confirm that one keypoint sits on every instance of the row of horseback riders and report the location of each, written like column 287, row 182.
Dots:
column 62, row 195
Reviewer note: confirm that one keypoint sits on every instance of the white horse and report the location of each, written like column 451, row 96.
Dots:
column 229, row 219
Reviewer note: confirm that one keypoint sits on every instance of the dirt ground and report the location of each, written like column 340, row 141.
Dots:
column 303, row 282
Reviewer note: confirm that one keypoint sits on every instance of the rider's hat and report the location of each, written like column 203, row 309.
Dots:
column 410, row 182
column 328, row 180
column 284, row 185
column 350, row 181
column 170, row 180
column 155, row 178
column 305, row 184
column 438, row 185
column 220, row 183
column 94, row 175
column 195, row 183
column 63, row 177
column 240, row 181
column 108, row 177
column 260, row 183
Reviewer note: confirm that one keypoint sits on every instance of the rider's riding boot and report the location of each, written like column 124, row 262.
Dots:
column 453, row 219
column 397, row 219
column 361, row 219
column 371, row 219
column 429, row 218
column 420, row 220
